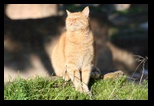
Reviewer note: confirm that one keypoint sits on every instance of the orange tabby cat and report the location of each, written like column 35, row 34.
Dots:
column 73, row 57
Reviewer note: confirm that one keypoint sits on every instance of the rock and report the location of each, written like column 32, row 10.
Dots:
column 113, row 74
column 30, row 11
column 121, row 7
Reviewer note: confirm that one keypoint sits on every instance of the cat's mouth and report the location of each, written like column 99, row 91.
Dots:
column 75, row 24
column 73, row 29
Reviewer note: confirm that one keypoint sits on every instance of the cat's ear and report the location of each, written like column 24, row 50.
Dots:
column 86, row 12
column 68, row 12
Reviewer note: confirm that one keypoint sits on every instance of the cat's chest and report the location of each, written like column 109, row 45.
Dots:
column 86, row 52
column 80, row 54
column 85, row 56
column 80, row 49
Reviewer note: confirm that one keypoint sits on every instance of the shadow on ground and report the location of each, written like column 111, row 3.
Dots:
column 28, row 45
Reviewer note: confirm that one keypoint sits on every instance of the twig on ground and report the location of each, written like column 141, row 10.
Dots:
column 142, row 61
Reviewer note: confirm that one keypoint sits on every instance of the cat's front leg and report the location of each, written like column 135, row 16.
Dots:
column 74, row 73
column 66, row 76
column 86, row 71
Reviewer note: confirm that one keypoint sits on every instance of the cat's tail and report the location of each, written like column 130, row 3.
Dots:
column 96, row 73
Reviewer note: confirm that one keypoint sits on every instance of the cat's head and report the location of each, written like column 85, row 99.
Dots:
column 77, row 20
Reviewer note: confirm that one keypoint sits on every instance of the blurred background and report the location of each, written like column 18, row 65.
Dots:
column 31, row 30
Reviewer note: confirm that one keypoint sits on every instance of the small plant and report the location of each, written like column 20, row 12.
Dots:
column 142, row 61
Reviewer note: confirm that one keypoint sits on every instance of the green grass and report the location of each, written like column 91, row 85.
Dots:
column 42, row 89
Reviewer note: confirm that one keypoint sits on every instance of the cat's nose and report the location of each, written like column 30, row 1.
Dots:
column 71, row 23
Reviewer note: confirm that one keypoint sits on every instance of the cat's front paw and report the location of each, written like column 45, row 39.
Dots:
column 66, row 77
column 83, row 89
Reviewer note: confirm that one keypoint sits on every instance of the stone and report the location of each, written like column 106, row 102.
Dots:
column 113, row 74
column 30, row 11
column 121, row 7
